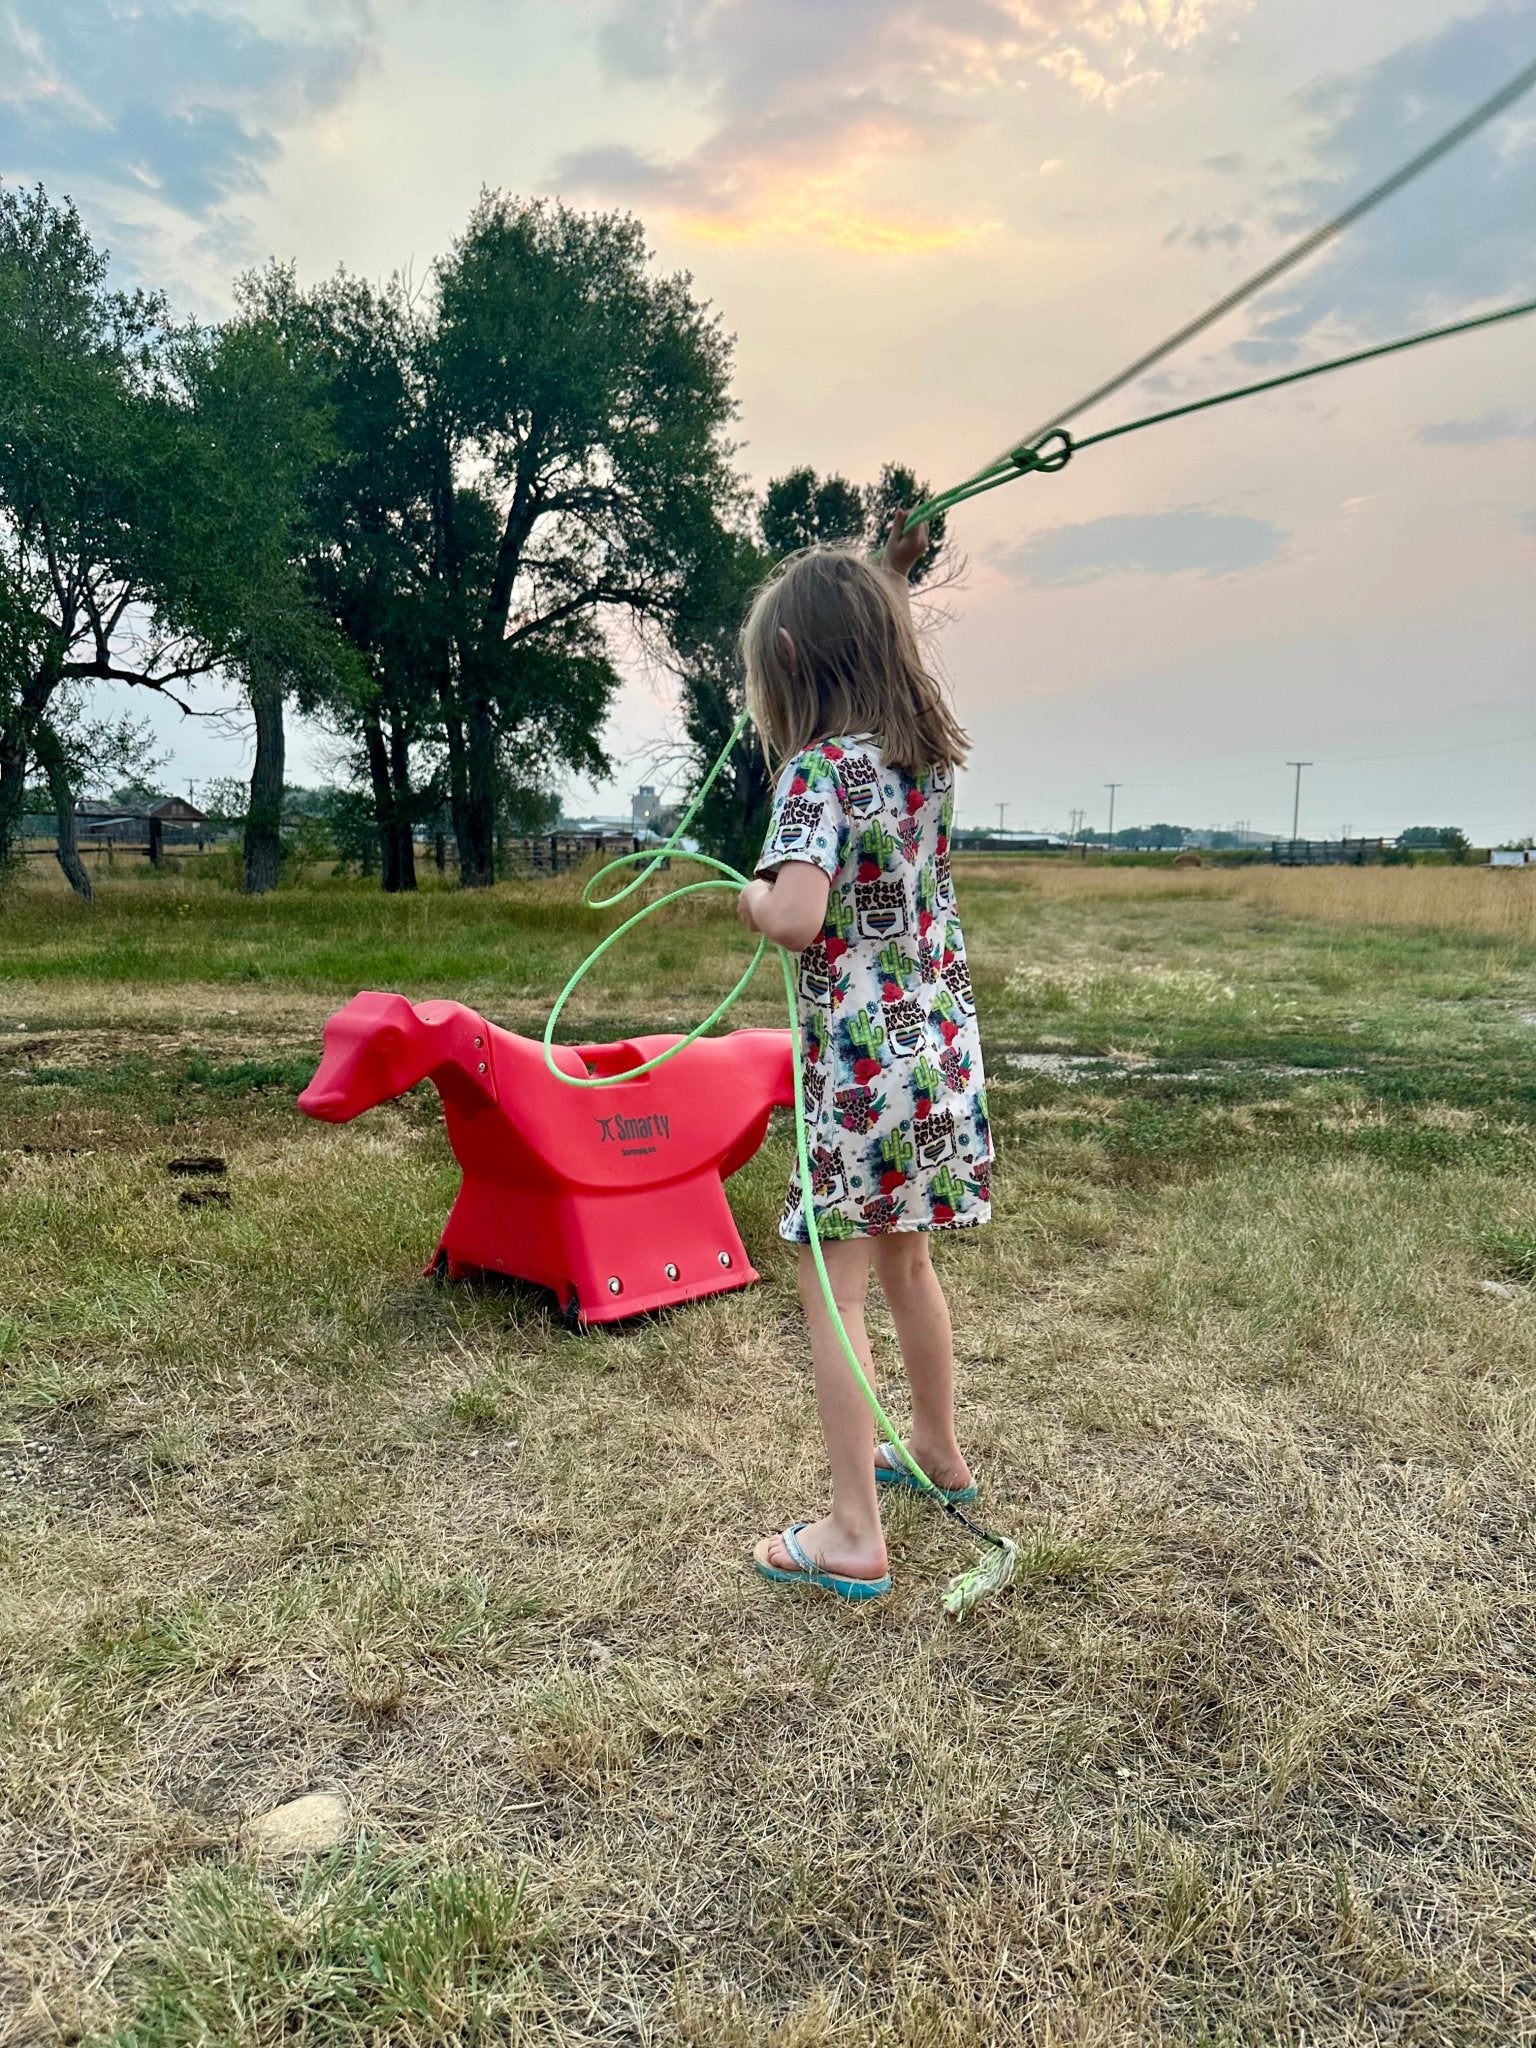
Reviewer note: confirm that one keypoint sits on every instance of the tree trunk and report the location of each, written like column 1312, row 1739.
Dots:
column 16, row 747
column 477, row 851
column 383, row 800
column 458, row 783
column 264, row 820
column 400, row 783
column 13, row 782
column 50, row 757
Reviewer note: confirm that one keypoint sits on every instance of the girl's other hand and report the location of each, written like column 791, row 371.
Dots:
column 903, row 551
column 754, row 894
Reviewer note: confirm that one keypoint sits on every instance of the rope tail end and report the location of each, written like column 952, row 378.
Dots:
column 989, row 1574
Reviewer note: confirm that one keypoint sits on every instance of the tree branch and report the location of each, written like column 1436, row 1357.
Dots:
column 104, row 671
column 585, row 600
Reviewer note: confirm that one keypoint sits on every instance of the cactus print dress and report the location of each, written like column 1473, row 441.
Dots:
column 895, row 1103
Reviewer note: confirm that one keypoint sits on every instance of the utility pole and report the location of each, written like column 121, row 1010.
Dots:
column 1075, row 827
column 1000, row 810
column 1296, row 806
column 1110, row 835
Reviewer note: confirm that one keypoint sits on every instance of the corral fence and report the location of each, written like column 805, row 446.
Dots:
column 143, row 835
column 1326, row 853
column 553, row 853
column 104, row 840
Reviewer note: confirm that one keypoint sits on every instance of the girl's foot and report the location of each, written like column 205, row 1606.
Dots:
column 829, row 1550
column 948, row 1471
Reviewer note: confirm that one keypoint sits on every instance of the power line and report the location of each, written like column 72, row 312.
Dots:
column 1329, row 761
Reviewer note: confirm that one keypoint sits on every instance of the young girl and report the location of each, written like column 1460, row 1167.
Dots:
column 855, row 878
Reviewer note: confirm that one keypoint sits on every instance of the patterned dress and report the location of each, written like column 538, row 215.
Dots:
column 896, row 1108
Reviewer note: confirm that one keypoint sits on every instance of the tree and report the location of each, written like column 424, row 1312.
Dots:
column 527, row 452
column 83, row 446
column 141, row 530
column 797, row 510
column 580, row 401
column 1446, row 838
column 257, row 408
column 372, row 555
column 802, row 510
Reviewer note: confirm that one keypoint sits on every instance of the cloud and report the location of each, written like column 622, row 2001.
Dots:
column 1183, row 541
column 811, row 102
column 790, row 172
column 1225, row 234
column 178, row 103
column 1488, row 426
column 1458, row 235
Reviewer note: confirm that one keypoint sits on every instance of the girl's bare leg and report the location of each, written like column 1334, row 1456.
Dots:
column 921, row 1315
column 848, row 1538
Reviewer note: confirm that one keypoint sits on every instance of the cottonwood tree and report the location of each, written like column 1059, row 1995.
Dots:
column 256, row 409
column 136, row 531
column 581, row 401
column 528, row 451
column 85, row 446
column 372, row 555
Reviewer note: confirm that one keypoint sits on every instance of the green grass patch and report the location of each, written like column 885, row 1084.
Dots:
column 361, row 1948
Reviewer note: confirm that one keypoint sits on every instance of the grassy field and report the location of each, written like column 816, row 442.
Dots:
column 1248, row 1363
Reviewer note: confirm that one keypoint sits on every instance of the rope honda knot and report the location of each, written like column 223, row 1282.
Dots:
column 1031, row 454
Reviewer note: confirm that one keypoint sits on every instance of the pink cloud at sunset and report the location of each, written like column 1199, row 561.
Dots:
column 813, row 105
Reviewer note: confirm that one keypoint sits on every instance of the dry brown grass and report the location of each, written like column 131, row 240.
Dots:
column 1247, row 1757
column 1495, row 903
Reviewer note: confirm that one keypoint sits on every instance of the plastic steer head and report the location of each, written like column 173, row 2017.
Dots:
column 372, row 1054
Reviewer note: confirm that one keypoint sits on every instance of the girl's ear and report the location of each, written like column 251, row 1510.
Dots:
column 787, row 649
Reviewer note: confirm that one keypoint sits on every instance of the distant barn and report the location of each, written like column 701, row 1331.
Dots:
column 141, row 828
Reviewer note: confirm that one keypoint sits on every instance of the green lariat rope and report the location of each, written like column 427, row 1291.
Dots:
column 1048, row 449
column 1054, row 449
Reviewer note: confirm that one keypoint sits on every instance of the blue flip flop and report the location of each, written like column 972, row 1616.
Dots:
column 889, row 1471
column 809, row 1573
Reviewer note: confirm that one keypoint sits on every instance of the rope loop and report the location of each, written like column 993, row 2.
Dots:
column 1030, row 455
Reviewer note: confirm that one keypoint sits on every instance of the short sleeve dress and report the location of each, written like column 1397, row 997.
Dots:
column 895, row 1099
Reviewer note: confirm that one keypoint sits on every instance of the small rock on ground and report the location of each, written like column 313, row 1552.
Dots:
column 301, row 1827
column 1497, row 1289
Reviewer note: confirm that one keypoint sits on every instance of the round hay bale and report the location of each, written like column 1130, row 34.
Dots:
column 1188, row 860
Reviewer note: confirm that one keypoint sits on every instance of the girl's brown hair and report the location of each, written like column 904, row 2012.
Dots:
column 857, row 667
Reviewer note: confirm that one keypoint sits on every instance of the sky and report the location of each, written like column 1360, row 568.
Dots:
column 929, row 228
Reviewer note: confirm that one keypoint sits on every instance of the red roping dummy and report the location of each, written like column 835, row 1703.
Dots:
column 611, row 1197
